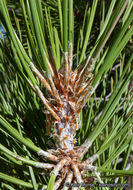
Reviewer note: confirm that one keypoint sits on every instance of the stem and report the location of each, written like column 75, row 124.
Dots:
column 70, row 20
column 58, row 183
column 65, row 20
column 51, row 182
column 15, row 180
column 46, row 103
column 40, row 76
column 25, row 160
column 68, row 180
column 61, row 19
column 128, row 172
column 100, row 180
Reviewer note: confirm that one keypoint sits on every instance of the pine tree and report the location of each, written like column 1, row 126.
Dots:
column 48, row 61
